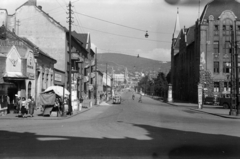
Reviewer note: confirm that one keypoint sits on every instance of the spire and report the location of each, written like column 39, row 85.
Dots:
column 177, row 27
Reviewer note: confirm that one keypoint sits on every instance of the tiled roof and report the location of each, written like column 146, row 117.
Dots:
column 216, row 7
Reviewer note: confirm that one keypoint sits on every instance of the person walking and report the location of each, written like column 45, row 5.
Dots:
column 133, row 96
column 31, row 106
column 140, row 98
column 24, row 107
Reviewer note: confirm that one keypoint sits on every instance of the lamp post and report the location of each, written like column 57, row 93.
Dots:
column 235, row 109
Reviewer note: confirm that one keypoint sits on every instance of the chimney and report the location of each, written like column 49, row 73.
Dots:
column 32, row 2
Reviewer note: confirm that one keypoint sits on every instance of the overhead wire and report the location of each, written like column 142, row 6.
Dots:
column 120, row 24
column 125, row 35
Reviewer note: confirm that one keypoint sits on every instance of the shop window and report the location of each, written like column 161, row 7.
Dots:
column 216, row 86
column 216, row 67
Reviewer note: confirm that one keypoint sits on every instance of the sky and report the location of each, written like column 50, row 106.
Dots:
column 134, row 17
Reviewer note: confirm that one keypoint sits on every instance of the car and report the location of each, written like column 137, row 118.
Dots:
column 117, row 99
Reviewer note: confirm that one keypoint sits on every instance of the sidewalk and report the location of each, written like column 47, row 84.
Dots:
column 208, row 109
column 38, row 113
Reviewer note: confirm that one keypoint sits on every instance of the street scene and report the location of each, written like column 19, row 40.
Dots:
column 151, row 129
column 119, row 79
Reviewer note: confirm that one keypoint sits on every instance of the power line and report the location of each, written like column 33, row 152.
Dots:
column 120, row 24
column 124, row 35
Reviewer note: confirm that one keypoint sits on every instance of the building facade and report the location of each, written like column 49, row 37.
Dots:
column 20, row 62
column 201, row 54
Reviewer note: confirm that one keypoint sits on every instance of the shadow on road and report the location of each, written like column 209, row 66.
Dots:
column 164, row 143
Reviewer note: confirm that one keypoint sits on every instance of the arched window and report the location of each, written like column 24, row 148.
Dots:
column 29, row 88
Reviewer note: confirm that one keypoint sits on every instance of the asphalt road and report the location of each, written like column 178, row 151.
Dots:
column 129, row 130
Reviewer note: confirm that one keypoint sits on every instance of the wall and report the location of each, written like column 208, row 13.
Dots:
column 44, row 32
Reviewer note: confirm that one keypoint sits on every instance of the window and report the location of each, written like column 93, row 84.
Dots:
column 216, row 67
column 226, row 67
column 238, row 27
column 230, row 27
column 228, row 47
column 216, row 86
column 216, row 28
column 216, row 46
column 224, row 27
column 227, row 87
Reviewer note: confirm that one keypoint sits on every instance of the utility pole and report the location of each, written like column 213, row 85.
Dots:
column 106, row 82
column 69, row 53
column 237, row 69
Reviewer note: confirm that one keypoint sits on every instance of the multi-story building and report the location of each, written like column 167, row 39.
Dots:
column 202, row 52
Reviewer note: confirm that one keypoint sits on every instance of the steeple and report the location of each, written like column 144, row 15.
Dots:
column 177, row 27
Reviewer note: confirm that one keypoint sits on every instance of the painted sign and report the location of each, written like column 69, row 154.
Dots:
column 58, row 77
column 30, row 66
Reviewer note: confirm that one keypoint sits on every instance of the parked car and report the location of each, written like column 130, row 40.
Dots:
column 225, row 101
column 117, row 99
column 209, row 100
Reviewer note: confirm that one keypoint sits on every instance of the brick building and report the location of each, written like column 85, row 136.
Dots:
column 202, row 52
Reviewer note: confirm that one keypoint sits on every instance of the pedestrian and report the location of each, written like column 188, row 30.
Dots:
column 31, row 106
column 24, row 107
column 140, row 98
column 133, row 96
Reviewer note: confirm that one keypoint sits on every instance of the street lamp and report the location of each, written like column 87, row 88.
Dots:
column 146, row 35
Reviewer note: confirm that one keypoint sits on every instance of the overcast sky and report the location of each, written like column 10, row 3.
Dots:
column 156, row 16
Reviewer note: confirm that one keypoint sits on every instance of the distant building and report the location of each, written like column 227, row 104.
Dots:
column 202, row 52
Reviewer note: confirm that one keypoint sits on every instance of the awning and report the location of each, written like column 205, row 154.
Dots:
column 14, row 76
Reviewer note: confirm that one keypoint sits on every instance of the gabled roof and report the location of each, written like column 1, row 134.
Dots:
column 25, row 41
column 46, row 14
column 216, row 7
column 83, row 37
column 33, row 46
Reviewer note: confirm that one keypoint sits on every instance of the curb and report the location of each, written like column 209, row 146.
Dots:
column 219, row 115
column 199, row 110
column 47, row 118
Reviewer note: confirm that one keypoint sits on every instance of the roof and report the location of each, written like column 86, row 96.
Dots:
column 33, row 46
column 190, row 34
column 177, row 27
column 216, row 7
column 46, row 14
column 81, row 37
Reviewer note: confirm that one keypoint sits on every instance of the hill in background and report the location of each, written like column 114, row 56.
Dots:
column 133, row 63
